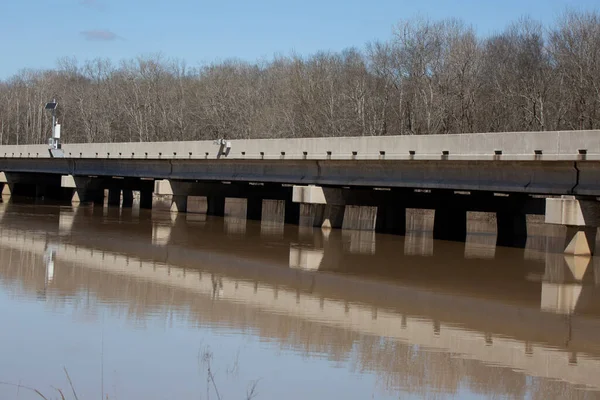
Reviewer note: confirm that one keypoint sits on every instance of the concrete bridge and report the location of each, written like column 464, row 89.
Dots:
column 363, row 183
column 508, row 327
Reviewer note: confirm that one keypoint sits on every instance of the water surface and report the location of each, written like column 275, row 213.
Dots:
column 138, row 305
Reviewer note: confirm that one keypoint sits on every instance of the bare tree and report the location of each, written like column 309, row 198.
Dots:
column 430, row 77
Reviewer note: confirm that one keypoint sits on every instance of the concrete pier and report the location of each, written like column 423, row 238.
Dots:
column 581, row 217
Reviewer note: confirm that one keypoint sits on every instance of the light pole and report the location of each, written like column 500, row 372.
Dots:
column 54, row 141
column 51, row 106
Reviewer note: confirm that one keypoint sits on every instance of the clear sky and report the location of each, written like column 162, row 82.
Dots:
column 35, row 33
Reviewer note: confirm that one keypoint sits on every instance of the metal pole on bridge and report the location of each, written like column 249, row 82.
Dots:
column 54, row 141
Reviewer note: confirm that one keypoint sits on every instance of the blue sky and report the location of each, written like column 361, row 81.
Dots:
column 35, row 33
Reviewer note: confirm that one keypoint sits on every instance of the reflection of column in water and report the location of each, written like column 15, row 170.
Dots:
column 161, row 234
column 163, row 216
column 578, row 265
column 49, row 261
column 272, row 229
column 65, row 221
column 562, row 287
column 562, row 268
column 196, row 218
column 137, row 195
column 419, row 232
column 307, row 259
column 273, row 217
column 234, row 225
column 197, row 204
column 135, row 204
column 359, row 242
column 235, row 216
column 543, row 238
column 162, row 223
column 481, row 235
column 560, row 298
column 130, row 214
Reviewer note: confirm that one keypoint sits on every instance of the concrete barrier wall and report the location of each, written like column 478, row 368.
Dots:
column 553, row 145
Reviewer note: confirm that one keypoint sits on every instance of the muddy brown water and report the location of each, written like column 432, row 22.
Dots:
column 138, row 305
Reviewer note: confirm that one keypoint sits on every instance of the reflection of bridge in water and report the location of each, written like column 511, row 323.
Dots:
column 238, row 274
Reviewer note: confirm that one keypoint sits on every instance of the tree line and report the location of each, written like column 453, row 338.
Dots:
column 430, row 77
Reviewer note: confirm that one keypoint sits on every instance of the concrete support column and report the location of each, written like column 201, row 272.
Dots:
column 84, row 189
column 20, row 189
column 320, row 207
column 83, row 195
column 215, row 206
column 511, row 229
column 361, row 218
column 322, row 215
column 254, row 208
column 170, row 196
column 79, row 195
column 114, row 197
column 582, row 218
column 450, row 223
column 169, row 202
column 8, row 189
column 580, row 240
column 127, row 198
column 179, row 203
